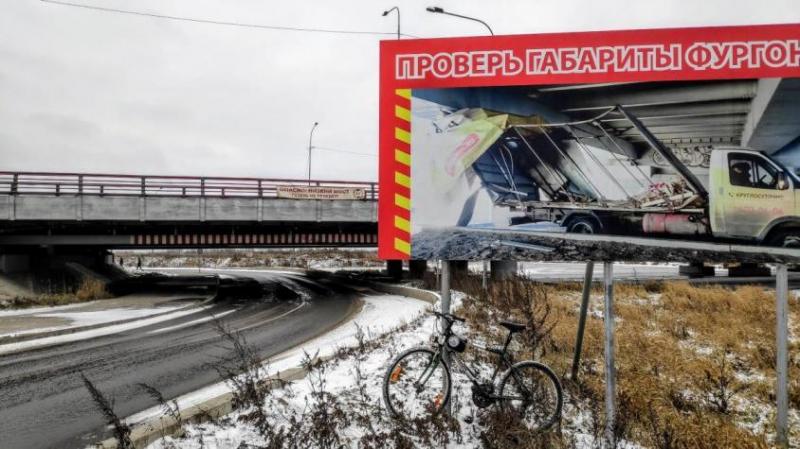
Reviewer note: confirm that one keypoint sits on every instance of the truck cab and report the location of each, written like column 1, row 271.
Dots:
column 752, row 197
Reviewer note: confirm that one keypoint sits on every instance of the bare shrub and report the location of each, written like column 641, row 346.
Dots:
column 719, row 384
column 326, row 414
column 168, row 408
column 244, row 373
column 91, row 289
column 122, row 432
column 503, row 429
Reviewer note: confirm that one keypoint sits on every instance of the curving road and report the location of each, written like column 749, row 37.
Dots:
column 44, row 404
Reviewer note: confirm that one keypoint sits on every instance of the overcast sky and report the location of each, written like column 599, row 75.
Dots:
column 90, row 91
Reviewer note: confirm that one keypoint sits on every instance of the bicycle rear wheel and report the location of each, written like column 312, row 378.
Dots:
column 532, row 395
column 416, row 385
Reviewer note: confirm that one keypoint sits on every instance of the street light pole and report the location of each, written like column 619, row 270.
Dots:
column 310, row 137
column 438, row 10
column 386, row 13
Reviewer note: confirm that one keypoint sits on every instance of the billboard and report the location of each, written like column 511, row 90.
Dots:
column 555, row 146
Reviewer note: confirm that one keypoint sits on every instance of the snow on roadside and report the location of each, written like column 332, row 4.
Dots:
column 43, row 309
column 107, row 330
column 85, row 318
column 379, row 315
column 341, row 380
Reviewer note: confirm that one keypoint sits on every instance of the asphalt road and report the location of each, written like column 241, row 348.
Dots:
column 44, row 404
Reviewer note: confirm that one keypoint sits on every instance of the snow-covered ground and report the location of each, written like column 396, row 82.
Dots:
column 355, row 380
column 379, row 315
column 313, row 259
column 37, row 320
column 76, row 319
column 102, row 317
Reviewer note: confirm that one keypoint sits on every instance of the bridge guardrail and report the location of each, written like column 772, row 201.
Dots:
column 14, row 183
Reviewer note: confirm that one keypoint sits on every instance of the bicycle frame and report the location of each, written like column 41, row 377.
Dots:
column 526, row 379
column 505, row 362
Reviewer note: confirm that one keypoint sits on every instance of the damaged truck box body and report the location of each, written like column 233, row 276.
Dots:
column 554, row 172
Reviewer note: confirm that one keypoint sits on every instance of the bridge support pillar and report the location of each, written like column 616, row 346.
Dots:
column 394, row 269
column 417, row 268
column 696, row 270
column 503, row 269
column 14, row 263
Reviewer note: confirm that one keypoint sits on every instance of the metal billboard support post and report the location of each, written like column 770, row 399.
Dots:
column 782, row 362
column 587, row 289
column 483, row 275
column 611, row 373
column 446, row 309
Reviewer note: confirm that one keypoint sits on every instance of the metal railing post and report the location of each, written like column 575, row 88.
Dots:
column 446, row 272
column 260, row 189
column 202, row 186
column 143, row 187
column 15, row 184
column 782, row 356
column 484, row 274
column 587, row 290
column 80, row 184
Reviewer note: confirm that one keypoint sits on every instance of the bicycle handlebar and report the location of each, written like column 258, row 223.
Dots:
column 449, row 317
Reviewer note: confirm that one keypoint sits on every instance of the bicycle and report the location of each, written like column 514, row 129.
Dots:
column 418, row 381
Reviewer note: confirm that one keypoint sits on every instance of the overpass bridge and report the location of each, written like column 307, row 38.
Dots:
column 133, row 211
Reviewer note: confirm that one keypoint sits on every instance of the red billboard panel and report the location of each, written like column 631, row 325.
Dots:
column 487, row 144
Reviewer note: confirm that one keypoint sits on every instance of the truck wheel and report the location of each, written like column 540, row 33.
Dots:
column 787, row 239
column 583, row 225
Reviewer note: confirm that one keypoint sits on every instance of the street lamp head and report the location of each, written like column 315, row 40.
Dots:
column 439, row 10
column 386, row 13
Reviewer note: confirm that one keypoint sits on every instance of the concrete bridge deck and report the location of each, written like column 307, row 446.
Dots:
column 132, row 210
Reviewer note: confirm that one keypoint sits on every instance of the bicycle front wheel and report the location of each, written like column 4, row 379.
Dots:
column 532, row 395
column 416, row 385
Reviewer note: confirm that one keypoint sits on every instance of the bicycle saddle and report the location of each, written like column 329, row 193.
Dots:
column 512, row 326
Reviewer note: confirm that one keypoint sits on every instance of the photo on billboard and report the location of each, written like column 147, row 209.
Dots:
column 706, row 161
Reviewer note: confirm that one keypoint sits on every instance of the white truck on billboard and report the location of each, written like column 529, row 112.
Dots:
column 530, row 168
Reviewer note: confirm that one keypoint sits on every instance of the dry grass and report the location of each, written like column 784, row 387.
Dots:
column 695, row 364
column 89, row 290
